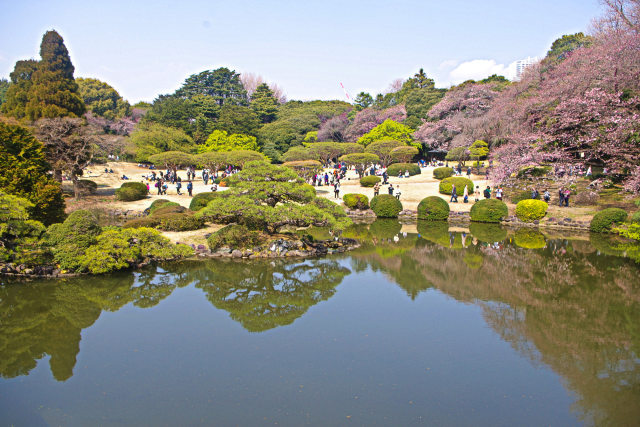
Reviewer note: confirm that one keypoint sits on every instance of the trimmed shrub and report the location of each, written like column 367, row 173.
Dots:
column 398, row 168
column 369, row 181
column 200, row 200
column 169, row 208
column 433, row 208
column 530, row 238
column 488, row 210
column 442, row 173
column 386, row 206
column 234, row 236
column 146, row 221
column 635, row 218
column 603, row 220
column 158, row 204
column 460, row 182
column 520, row 196
column 131, row 191
column 185, row 221
column 489, row 233
column 531, row 210
column 356, row 201
column 70, row 239
column 87, row 187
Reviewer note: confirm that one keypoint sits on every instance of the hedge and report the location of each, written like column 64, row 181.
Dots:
column 234, row 236
column 369, row 181
column 603, row 220
column 386, row 206
column 489, row 233
column 531, row 210
column 488, row 210
column 442, row 173
column 460, row 183
column 356, row 201
column 433, row 208
column 530, row 239
column 130, row 191
column 200, row 200
column 397, row 168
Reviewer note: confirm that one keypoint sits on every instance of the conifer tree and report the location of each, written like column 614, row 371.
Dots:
column 17, row 94
column 264, row 103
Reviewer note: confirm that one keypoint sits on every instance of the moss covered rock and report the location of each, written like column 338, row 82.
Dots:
column 531, row 210
column 605, row 219
column 433, row 208
column 488, row 210
column 460, row 182
column 386, row 206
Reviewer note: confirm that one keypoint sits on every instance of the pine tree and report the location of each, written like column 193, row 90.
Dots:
column 53, row 92
column 17, row 94
column 264, row 103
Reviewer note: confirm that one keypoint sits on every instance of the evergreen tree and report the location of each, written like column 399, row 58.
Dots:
column 264, row 103
column 4, row 86
column 17, row 94
column 54, row 92
column 222, row 84
column 102, row 99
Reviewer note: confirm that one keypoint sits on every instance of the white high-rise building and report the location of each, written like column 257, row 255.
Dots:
column 522, row 65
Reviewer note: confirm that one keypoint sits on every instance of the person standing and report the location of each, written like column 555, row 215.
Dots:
column 466, row 194
column 454, row 194
column 567, row 194
column 499, row 193
column 190, row 188
column 178, row 187
column 336, row 190
column 398, row 192
column 391, row 189
column 376, row 189
column 476, row 193
column 546, row 196
column 487, row 192
column 561, row 196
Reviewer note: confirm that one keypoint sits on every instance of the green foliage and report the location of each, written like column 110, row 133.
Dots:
column 172, row 159
column 4, row 86
column 102, row 99
column 400, row 168
column 388, row 130
column 19, row 236
column 605, row 219
column 87, row 186
column 386, row 206
column 360, row 161
column 635, row 217
column 433, row 208
column 158, row 203
column 520, row 196
column 305, row 168
column 237, row 119
column 442, row 173
column 234, row 236
column 356, row 201
column 533, row 171
column 529, row 238
column 531, row 210
column 487, row 232
column 153, row 138
column 446, row 185
column 458, row 154
column 222, row 85
column 403, row 154
column 17, row 94
column 219, row 140
column 70, row 239
column 370, row 180
column 117, row 249
column 385, row 228
column 264, row 103
column 200, row 200
column 131, row 191
column 479, row 149
column 488, row 210
column 324, row 152
column 562, row 47
column 167, row 208
column 25, row 173
column 383, row 148
column 297, row 154
column 181, row 113
column 178, row 221
column 631, row 231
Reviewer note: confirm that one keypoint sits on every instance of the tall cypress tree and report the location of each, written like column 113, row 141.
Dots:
column 54, row 92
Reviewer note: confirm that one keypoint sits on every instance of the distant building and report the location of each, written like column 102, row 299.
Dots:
column 522, row 65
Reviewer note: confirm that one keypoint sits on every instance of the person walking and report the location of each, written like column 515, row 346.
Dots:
column 466, row 194
column 336, row 190
column 454, row 194
column 398, row 192
column 190, row 188
column 178, row 187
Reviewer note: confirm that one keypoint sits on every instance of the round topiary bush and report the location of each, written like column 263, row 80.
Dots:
column 130, row 191
column 531, row 210
column 356, row 201
column 158, row 203
column 488, row 210
column 489, row 233
column 369, row 181
column 234, row 236
column 400, row 168
column 442, row 173
column 530, row 239
column 200, row 200
column 165, row 205
column 433, row 208
column 603, row 220
column 386, row 206
column 460, row 183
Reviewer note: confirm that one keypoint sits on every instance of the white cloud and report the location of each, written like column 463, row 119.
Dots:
column 479, row 69
column 448, row 64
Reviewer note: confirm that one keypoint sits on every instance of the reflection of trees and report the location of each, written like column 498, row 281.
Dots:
column 566, row 305
column 262, row 295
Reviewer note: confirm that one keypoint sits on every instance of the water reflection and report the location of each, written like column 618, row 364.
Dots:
column 568, row 302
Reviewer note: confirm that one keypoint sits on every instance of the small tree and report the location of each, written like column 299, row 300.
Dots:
column 403, row 154
column 478, row 150
column 297, row 153
column 172, row 160
column 212, row 160
column 220, row 140
column 305, row 168
column 351, row 147
column 459, row 154
column 383, row 150
column 325, row 151
column 388, row 129
column 360, row 161
column 240, row 157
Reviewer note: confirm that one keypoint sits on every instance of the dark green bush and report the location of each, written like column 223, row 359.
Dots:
column 433, row 208
column 460, row 182
column 488, row 210
column 397, row 168
column 48, row 204
column 370, row 181
column 520, row 196
column 130, row 191
column 635, row 218
column 158, row 204
column 169, row 208
column 234, row 236
column 70, row 239
column 489, row 233
column 145, row 221
column 87, row 187
column 200, row 200
column 603, row 220
column 531, row 210
column 356, row 201
column 179, row 222
column 442, row 173
column 386, row 206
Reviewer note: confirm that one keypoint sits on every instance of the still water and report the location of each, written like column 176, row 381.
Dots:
column 422, row 325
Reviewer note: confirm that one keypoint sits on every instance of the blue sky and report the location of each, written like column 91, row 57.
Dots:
column 145, row 48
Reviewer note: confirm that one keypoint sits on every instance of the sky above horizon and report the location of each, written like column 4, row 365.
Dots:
column 144, row 49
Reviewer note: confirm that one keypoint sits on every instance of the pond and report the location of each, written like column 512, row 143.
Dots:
column 423, row 324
